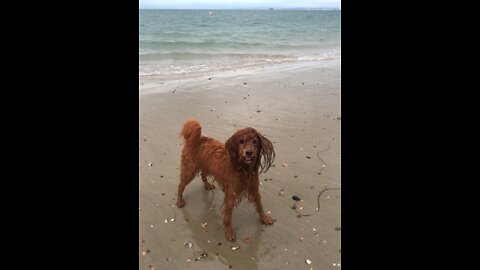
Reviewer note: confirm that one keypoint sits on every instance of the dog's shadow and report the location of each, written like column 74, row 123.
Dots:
column 206, row 226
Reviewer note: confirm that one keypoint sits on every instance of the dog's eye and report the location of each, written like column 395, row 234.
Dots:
column 254, row 141
column 242, row 141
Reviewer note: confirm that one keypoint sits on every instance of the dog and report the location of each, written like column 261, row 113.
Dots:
column 234, row 165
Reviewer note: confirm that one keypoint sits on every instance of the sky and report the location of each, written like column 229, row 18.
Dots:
column 230, row 4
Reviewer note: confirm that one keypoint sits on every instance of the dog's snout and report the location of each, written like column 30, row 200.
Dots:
column 249, row 152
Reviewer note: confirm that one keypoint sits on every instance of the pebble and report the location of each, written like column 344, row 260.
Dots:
column 296, row 198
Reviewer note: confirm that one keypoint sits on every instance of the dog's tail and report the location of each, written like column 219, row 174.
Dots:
column 191, row 132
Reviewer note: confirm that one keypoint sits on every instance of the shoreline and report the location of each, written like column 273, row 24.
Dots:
column 155, row 83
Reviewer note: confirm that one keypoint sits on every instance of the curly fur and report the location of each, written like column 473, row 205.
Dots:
column 235, row 166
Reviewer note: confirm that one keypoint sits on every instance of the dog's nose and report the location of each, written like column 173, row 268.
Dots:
column 249, row 152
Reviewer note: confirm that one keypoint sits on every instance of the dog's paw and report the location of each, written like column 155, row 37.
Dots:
column 230, row 236
column 268, row 220
column 180, row 203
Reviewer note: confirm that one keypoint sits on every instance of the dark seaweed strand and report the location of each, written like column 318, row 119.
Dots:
column 318, row 203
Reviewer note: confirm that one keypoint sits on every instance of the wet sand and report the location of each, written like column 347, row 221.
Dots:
column 298, row 108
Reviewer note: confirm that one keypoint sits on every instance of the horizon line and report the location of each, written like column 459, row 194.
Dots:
column 246, row 8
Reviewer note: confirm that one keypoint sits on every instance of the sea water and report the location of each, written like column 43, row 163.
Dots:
column 176, row 42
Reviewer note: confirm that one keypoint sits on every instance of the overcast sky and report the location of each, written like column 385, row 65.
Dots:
column 219, row 4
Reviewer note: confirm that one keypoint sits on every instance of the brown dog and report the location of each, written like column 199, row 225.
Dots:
column 235, row 165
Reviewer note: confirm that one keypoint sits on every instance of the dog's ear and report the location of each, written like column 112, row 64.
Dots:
column 232, row 148
column 267, row 154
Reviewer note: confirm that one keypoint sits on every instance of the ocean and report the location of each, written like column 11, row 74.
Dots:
column 195, row 42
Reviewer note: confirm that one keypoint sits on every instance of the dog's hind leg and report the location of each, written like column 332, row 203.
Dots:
column 208, row 185
column 186, row 176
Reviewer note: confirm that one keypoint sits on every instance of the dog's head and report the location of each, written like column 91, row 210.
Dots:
column 249, row 150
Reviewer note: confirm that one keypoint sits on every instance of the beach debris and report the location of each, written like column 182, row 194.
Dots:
column 219, row 243
column 314, row 229
column 201, row 255
column 172, row 219
column 188, row 244
column 258, row 111
column 209, row 79
column 281, row 192
column 161, row 176
column 166, row 220
column 295, row 176
column 308, row 157
column 338, row 228
column 163, row 193
column 247, row 240
column 212, row 109
column 301, row 238
column 284, row 165
column 168, row 259
column 235, row 247
column 307, row 261
column 204, row 224
column 151, row 225
column 300, row 208
column 150, row 164
column 144, row 253
column 245, row 83
column 189, row 260
column 323, row 165
column 269, row 212
column 296, row 198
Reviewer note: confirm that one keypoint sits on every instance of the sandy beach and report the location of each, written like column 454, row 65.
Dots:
column 296, row 106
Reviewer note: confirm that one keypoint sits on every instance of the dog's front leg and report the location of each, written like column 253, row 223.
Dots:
column 266, row 219
column 229, row 204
